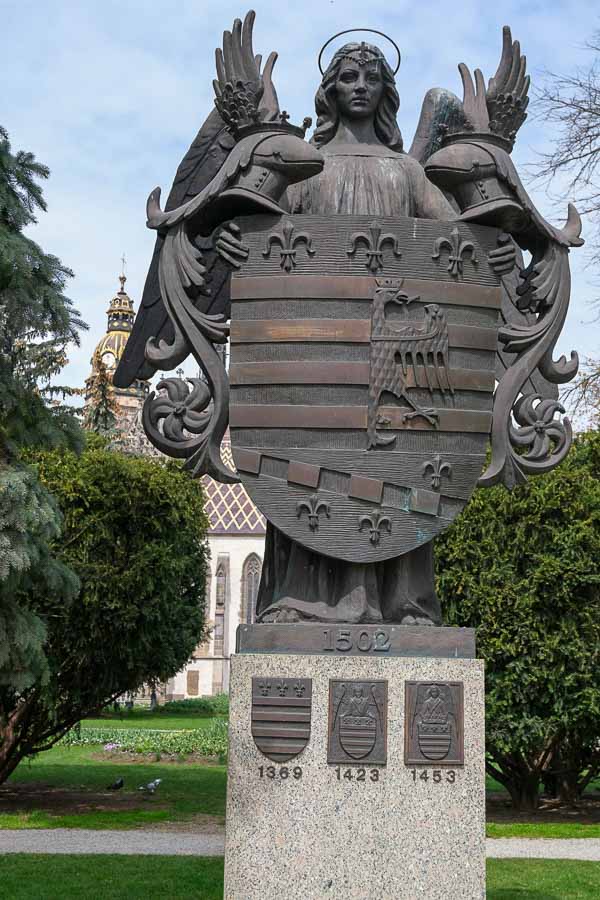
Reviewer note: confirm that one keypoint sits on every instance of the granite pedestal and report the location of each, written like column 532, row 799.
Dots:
column 308, row 828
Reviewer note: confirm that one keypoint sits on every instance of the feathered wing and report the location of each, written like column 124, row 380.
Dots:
column 441, row 113
column 206, row 155
column 236, row 64
column 499, row 111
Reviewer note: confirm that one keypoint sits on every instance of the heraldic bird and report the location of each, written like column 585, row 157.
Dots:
column 398, row 352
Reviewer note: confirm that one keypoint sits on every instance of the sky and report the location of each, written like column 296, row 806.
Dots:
column 110, row 94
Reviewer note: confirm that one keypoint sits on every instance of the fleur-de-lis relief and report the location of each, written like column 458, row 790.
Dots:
column 265, row 688
column 299, row 689
column 289, row 243
column 375, row 242
column 438, row 469
column 457, row 250
column 282, row 688
column 376, row 522
column 314, row 506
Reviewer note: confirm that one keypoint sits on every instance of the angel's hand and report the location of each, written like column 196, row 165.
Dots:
column 229, row 246
column 503, row 258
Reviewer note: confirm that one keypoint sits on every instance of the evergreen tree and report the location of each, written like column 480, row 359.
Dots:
column 523, row 568
column 101, row 412
column 37, row 322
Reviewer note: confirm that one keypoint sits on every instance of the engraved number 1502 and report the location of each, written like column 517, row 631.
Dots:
column 341, row 640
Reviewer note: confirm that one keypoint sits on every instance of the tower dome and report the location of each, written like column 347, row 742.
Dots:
column 109, row 350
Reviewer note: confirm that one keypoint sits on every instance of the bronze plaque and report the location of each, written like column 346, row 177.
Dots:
column 433, row 727
column 281, row 716
column 357, row 722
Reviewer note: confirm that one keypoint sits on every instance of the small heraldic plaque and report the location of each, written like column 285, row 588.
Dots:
column 357, row 722
column 433, row 727
column 280, row 716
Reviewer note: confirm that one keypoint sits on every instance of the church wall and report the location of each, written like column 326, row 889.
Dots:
column 207, row 673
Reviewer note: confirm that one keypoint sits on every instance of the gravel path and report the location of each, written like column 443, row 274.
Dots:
column 540, row 848
column 81, row 840
column 84, row 840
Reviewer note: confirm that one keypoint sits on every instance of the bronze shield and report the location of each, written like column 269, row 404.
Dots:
column 280, row 716
column 362, row 376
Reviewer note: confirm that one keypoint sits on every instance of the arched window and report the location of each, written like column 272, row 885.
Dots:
column 221, row 598
column 221, row 580
column 249, row 593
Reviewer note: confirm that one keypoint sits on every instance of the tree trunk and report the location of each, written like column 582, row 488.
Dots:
column 524, row 792
column 8, row 766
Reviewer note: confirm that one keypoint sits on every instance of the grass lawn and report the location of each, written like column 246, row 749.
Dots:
column 66, row 787
column 187, row 790
column 162, row 723
column 542, row 879
column 30, row 877
column 33, row 876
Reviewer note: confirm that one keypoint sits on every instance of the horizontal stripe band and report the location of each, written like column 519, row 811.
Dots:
column 359, row 287
column 353, row 417
column 349, row 331
column 350, row 373
column 294, row 715
column 275, row 732
column 281, row 701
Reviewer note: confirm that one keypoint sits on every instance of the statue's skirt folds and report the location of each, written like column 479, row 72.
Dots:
column 297, row 582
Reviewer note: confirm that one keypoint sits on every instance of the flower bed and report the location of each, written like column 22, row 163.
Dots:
column 211, row 741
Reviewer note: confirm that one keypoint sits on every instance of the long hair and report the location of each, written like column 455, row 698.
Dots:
column 386, row 126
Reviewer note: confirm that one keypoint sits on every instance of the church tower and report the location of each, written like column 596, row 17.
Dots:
column 109, row 349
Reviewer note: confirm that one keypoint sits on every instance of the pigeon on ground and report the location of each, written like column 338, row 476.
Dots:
column 151, row 786
column 116, row 785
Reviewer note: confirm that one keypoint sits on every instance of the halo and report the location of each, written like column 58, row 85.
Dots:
column 349, row 31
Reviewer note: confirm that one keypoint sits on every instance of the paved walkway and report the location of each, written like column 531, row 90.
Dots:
column 85, row 840
column 177, row 843
column 540, row 848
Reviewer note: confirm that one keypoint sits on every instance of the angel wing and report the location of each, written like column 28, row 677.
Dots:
column 206, row 155
column 475, row 164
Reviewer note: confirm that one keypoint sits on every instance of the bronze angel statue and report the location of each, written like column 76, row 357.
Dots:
column 383, row 325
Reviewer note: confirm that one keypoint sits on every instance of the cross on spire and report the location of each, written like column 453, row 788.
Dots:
column 123, row 276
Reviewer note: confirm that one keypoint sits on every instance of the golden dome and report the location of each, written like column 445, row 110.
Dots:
column 120, row 322
column 110, row 347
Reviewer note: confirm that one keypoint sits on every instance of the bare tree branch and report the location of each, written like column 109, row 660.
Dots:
column 571, row 103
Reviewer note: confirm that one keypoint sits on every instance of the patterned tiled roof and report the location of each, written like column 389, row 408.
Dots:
column 228, row 507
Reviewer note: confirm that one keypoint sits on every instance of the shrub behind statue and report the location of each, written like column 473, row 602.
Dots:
column 139, row 613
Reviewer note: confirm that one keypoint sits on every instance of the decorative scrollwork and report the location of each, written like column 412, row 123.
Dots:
column 549, row 439
column 179, row 409
column 546, row 291
column 193, row 423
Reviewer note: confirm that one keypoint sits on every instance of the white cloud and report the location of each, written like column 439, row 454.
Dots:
column 110, row 95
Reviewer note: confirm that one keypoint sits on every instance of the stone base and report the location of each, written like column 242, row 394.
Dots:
column 305, row 829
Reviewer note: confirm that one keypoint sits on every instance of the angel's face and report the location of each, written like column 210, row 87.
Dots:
column 358, row 89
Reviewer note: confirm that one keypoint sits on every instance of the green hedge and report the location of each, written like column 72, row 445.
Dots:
column 214, row 706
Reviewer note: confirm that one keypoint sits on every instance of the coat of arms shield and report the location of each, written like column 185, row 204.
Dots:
column 281, row 709
column 362, row 376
